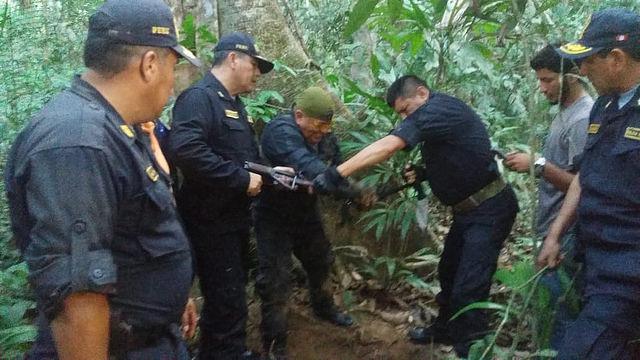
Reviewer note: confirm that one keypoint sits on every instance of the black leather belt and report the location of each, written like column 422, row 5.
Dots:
column 487, row 192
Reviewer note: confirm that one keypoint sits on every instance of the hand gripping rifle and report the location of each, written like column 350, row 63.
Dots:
column 277, row 177
column 422, row 206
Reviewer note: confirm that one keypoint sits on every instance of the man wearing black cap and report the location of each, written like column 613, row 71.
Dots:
column 462, row 173
column 605, row 195
column 289, row 221
column 90, row 207
column 210, row 140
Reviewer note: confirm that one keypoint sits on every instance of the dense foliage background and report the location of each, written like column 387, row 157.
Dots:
column 475, row 49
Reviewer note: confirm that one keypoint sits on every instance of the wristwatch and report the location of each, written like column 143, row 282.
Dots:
column 538, row 166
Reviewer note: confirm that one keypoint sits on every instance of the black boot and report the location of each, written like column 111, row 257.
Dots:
column 334, row 316
column 431, row 334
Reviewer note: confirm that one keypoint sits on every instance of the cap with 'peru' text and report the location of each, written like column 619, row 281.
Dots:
column 242, row 42
column 140, row 22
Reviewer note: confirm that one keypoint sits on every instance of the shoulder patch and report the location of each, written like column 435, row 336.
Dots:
column 232, row 114
column 632, row 133
column 127, row 130
column 593, row 128
column 152, row 173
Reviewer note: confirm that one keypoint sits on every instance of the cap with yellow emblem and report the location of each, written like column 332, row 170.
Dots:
column 140, row 22
column 609, row 28
column 242, row 42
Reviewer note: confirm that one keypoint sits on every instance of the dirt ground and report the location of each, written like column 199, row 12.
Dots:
column 371, row 338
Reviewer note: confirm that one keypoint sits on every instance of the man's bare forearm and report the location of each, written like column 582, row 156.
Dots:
column 558, row 177
column 371, row 155
column 81, row 330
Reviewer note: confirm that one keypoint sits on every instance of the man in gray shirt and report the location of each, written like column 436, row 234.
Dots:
column 567, row 135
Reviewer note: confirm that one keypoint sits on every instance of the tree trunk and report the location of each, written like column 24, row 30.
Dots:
column 266, row 22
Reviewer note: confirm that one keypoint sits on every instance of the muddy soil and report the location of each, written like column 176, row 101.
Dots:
column 372, row 338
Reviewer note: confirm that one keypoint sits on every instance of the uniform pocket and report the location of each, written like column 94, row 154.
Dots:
column 237, row 137
column 233, row 124
column 627, row 151
column 625, row 145
column 159, row 228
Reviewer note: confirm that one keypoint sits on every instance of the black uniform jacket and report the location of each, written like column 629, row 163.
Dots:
column 210, row 139
column 284, row 145
column 91, row 211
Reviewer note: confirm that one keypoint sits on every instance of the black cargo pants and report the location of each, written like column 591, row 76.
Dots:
column 221, row 261
column 276, row 243
column 468, row 263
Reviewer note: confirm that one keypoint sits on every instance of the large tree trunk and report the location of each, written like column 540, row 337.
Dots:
column 267, row 23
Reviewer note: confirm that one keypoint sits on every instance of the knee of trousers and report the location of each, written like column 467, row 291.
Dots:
column 273, row 289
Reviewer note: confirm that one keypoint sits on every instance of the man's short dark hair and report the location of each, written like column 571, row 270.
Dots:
column 548, row 58
column 220, row 56
column 404, row 87
column 109, row 57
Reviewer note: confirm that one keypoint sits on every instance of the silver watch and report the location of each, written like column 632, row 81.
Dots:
column 538, row 166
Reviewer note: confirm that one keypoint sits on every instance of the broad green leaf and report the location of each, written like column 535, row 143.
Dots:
column 546, row 353
column 375, row 65
column 5, row 16
column 482, row 305
column 394, row 9
column 17, row 335
column 521, row 273
column 417, row 282
column 359, row 15
column 418, row 15
column 439, row 7
column 206, row 37
column 360, row 136
column 189, row 32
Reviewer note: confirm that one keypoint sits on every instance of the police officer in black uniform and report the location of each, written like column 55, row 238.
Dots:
column 90, row 207
column 289, row 221
column 210, row 139
column 605, row 194
column 462, row 173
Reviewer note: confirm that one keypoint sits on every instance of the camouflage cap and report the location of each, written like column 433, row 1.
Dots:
column 316, row 103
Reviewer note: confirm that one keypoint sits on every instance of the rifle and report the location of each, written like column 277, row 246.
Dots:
column 422, row 205
column 289, row 181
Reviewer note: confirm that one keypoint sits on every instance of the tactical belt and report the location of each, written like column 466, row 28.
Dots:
column 487, row 192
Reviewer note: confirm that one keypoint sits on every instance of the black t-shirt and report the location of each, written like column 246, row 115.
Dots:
column 455, row 147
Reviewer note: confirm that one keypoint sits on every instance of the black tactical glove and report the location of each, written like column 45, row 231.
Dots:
column 331, row 182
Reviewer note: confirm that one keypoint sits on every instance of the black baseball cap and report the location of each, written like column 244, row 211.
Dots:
column 140, row 22
column 242, row 42
column 609, row 28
